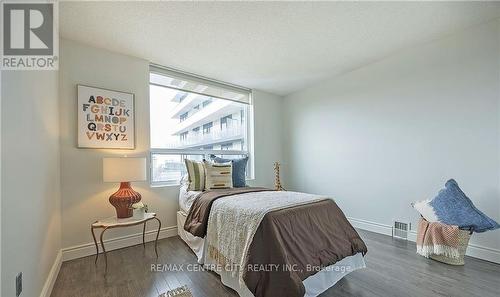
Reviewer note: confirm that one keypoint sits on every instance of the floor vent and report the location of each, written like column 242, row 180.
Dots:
column 400, row 230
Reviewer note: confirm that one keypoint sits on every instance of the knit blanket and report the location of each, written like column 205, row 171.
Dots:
column 234, row 220
column 437, row 239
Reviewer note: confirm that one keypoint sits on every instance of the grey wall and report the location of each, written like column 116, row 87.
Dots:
column 31, row 201
column 393, row 132
column 84, row 195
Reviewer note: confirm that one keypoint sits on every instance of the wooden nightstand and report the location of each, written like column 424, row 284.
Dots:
column 114, row 222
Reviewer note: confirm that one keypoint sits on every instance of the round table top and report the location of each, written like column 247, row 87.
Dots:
column 116, row 222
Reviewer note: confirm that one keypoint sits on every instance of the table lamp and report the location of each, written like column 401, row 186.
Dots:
column 124, row 171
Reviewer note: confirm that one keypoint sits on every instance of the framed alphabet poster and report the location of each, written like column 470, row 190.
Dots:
column 105, row 118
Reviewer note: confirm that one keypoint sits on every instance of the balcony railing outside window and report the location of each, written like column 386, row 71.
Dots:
column 234, row 130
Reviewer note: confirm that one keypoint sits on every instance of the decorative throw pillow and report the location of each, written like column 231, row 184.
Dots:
column 196, row 175
column 218, row 175
column 451, row 206
column 239, row 169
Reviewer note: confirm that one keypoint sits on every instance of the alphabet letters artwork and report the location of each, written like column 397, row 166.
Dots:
column 105, row 119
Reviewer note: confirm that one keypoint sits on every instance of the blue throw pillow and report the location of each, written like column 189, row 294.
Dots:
column 239, row 169
column 451, row 206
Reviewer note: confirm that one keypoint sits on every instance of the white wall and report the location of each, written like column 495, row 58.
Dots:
column 0, row 183
column 268, row 132
column 393, row 132
column 31, row 201
column 84, row 195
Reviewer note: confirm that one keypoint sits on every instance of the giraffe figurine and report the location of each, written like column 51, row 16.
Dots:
column 277, row 182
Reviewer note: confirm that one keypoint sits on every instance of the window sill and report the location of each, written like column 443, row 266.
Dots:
column 178, row 185
column 164, row 185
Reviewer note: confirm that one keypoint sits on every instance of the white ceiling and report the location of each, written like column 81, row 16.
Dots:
column 279, row 47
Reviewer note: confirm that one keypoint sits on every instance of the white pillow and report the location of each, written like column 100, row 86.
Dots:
column 184, row 181
column 218, row 175
column 426, row 211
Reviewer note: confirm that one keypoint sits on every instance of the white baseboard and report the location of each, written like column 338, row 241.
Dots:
column 88, row 249
column 473, row 250
column 371, row 226
column 51, row 278
column 484, row 253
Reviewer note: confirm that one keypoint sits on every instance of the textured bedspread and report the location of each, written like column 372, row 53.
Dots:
column 197, row 218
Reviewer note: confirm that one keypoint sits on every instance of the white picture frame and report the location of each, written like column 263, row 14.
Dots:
column 106, row 118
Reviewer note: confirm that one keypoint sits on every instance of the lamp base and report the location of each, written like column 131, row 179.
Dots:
column 123, row 199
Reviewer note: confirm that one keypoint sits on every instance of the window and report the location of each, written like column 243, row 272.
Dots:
column 180, row 96
column 206, row 102
column 183, row 116
column 207, row 127
column 225, row 121
column 193, row 117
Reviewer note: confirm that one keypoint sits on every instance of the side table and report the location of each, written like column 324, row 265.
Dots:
column 114, row 222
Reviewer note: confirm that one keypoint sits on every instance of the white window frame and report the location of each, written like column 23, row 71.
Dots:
column 249, row 138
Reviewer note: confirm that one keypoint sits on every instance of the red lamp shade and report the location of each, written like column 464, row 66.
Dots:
column 124, row 171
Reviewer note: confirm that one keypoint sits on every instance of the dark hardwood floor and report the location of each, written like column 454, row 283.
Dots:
column 393, row 269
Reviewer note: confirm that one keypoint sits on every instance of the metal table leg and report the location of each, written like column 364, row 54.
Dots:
column 157, row 235
column 103, row 248
column 96, row 246
column 143, row 234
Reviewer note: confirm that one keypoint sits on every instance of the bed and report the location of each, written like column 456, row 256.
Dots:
column 251, row 285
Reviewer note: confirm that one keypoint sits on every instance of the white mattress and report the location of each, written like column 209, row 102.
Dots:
column 314, row 284
column 196, row 244
column 186, row 198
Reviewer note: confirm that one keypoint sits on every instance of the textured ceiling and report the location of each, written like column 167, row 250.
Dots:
column 279, row 47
